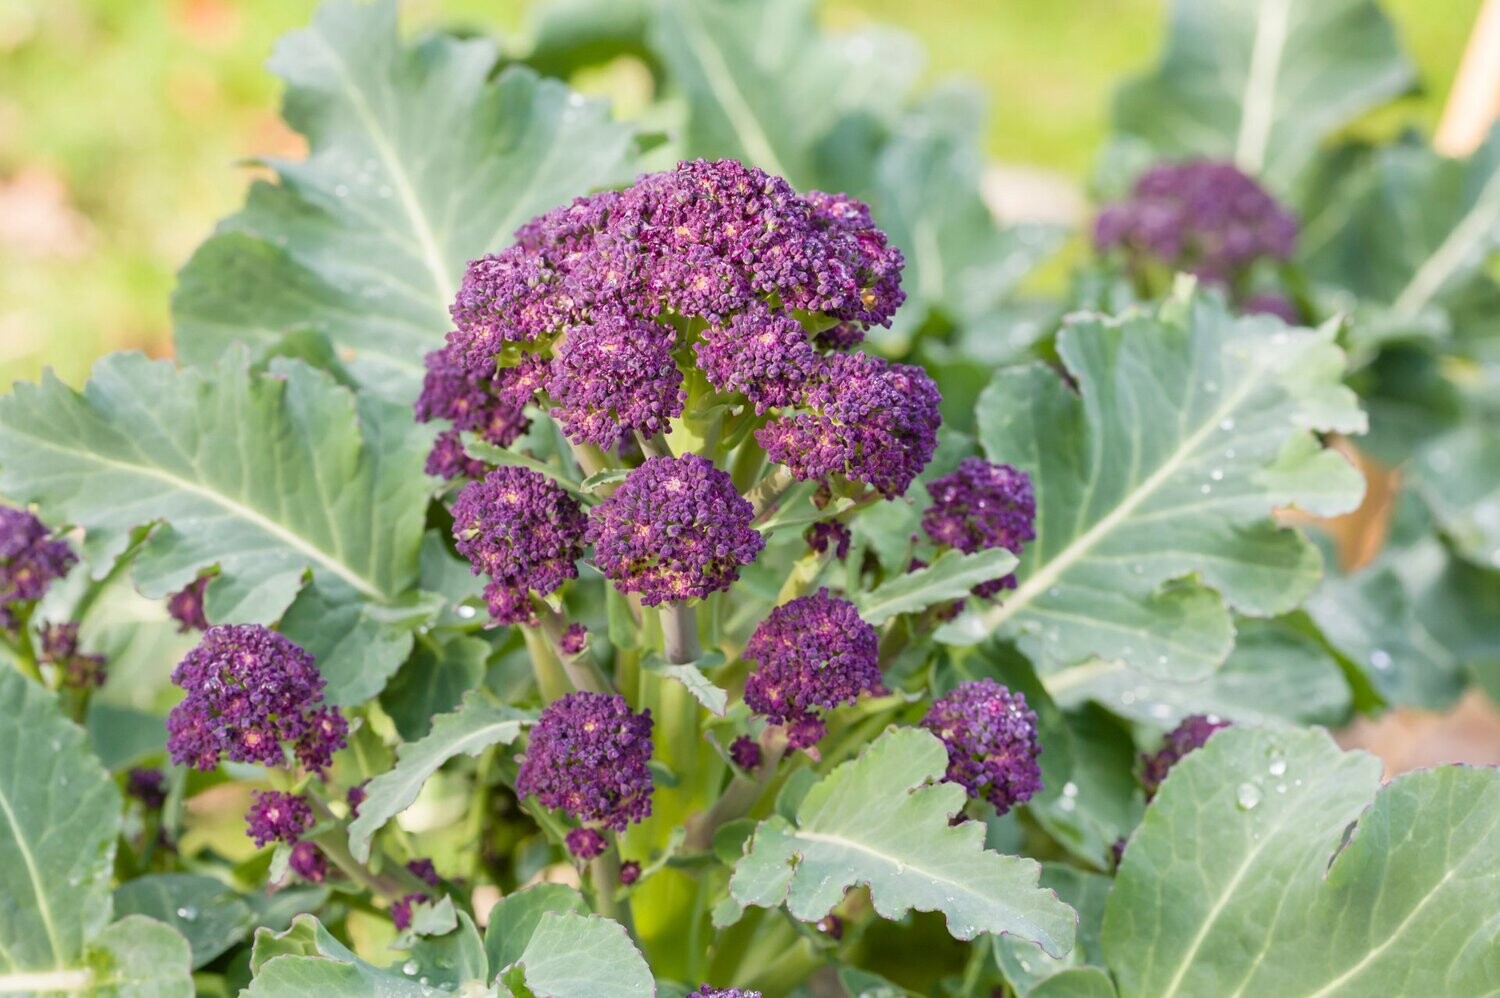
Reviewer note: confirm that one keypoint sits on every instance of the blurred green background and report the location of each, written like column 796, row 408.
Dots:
column 122, row 121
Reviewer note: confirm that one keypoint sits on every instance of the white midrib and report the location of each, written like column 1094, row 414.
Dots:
column 1259, row 101
column 48, row 982
column 721, row 81
column 281, row 533
column 1043, row 578
column 1468, row 233
column 432, row 255
column 900, row 864
column 43, row 908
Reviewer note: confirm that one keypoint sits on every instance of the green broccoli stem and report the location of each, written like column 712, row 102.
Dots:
column 742, row 794
column 770, row 489
column 392, row 884
column 551, row 680
column 679, row 633
column 604, row 875
column 582, row 670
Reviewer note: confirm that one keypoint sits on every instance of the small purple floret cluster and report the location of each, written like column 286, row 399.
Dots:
column 525, row 532
column 614, row 378
column 278, row 817
column 1199, row 216
column 75, row 668
column 186, row 606
column 812, row 652
column 709, row 991
column 490, row 405
column 30, row 561
column 991, row 739
column 675, row 529
column 981, row 506
column 1189, row 736
column 588, row 757
column 251, row 695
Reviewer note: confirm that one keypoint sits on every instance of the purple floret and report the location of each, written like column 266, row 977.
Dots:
column 424, row 871
column 829, row 535
column 30, row 561
column 630, row 872
column 574, row 640
column 992, row 744
column 864, row 419
column 1189, row 736
column 870, row 263
column 308, row 862
column 355, row 797
column 449, row 460
column 675, row 529
column 982, row 506
column 75, row 669
column 186, row 606
column 149, row 786
column 614, row 378
column 709, row 991
column 764, row 355
column 813, row 652
column 745, row 752
column 585, row 843
column 1203, row 217
column 278, row 817
column 525, row 532
column 588, row 757
column 401, row 910
column 488, row 402
column 251, row 693
column 515, row 296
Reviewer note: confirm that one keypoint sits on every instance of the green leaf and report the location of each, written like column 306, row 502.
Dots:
column 264, row 476
column 882, row 820
column 765, row 85
column 59, row 817
column 949, row 577
column 588, row 956
column 1411, row 232
column 713, row 697
column 210, row 915
column 1227, row 888
column 433, row 682
column 514, row 919
column 1156, row 480
column 1276, row 674
column 1076, row 982
column 418, row 162
column 1099, row 801
column 1458, row 475
column 858, row 983
column 1263, row 82
column 138, row 958
column 473, row 727
column 307, row 960
column 1025, row 966
column 450, row 959
column 358, row 644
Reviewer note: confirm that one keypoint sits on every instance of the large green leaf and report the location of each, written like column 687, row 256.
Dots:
column 306, row 959
column 1155, row 482
column 765, row 85
column 950, row 577
column 1276, row 673
column 1459, row 477
column 440, row 672
column 514, row 919
column 59, row 819
column 581, row 956
column 1263, row 82
column 1227, row 888
column 883, row 821
column 418, row 162
column 1023, row 965
column 263, row 475
column 59, row 815
column 473, row 727
column 208, row 914
column 1408, row 236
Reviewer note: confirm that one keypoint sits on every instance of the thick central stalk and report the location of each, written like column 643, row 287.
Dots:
column 679, row 631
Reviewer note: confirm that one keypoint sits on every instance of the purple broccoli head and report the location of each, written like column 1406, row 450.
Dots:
column 30, row 561
column 981, row 506
column 991, row 739
column 762, row 354
column 1190, row 735
column 616, row 377
column 813, row 652
column 587, row 757
column 278, row 817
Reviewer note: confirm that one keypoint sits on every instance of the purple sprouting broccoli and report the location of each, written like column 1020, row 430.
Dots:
column 762, row 354
column 744, row 751
column 1199, row 216
column 574, row 640
column 709, row 991
column 991, row 739
column 308, row 862
column 863, row 419
column 812, row 653
column 186, row 606
column 147, row 785
column 585, row 843
column 1189, row 736
column 827, row 536
column 251, row 695
column 424, row 871
column 630, row 872
column 516, row 296
column 30, row 561
column 75, row 668
column 675, row 529
column 488, row 402
column 402, row 909
column 278, row 817
column 588, row 757
column 981, row 506
column 614, row 378
column 525, row 532
column 355, row 797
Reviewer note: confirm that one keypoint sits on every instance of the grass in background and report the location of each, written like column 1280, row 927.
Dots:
column 121, row 122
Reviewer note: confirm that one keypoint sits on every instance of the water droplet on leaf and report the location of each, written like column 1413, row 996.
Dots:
column 1247, row 796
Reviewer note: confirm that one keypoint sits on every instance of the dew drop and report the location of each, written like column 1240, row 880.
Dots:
column 1226, row 425
column 1025, row 966
column 1070, row 789
column 1247, row 796
column 1217, row 474
column 1380, row 659
column 410, row 967
column 1128, row 697
column 341, row 190
column 1206, row 489
column 1067, row 804
column 1281, row 788
column 1138, row 569
column 1210, row 387
column 1161, row 660
column 187, row 913
column 466, row 611
column 1229, row 453
column 1160, row 711
column 1278, row 767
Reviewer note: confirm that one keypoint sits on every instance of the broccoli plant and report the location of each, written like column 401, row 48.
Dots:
column 566, row 561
